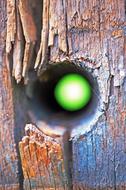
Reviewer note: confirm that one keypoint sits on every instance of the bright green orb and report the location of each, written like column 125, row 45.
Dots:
column 72, row 92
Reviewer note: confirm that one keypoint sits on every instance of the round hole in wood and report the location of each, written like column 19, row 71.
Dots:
column 44, row 106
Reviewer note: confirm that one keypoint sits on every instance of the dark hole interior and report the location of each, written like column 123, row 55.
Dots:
column 43, row 104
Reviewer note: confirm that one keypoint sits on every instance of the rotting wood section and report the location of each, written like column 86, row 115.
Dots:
column 93, row 33
column 42, row 156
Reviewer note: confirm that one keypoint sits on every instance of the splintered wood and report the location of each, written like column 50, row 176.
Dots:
column 21, row 31
column 42, row 160
column 42, row 54
column 18, row 51
column 68, row 30
column 11, row 23
column 92, row 34
column 22, row 34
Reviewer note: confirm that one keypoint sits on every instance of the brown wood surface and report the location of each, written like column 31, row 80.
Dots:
column 92, row 34
column 8, row 155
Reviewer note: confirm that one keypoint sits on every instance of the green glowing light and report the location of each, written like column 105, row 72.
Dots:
column 73, row 92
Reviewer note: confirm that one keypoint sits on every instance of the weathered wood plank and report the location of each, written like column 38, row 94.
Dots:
column 94, row 35
column 8, row 155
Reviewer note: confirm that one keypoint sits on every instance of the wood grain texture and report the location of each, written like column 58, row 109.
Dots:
column 42, row 160
column 8, row 155
column 96, row 37
column 93, row 34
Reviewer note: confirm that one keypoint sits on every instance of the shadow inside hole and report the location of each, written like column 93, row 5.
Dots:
column 44, row 106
